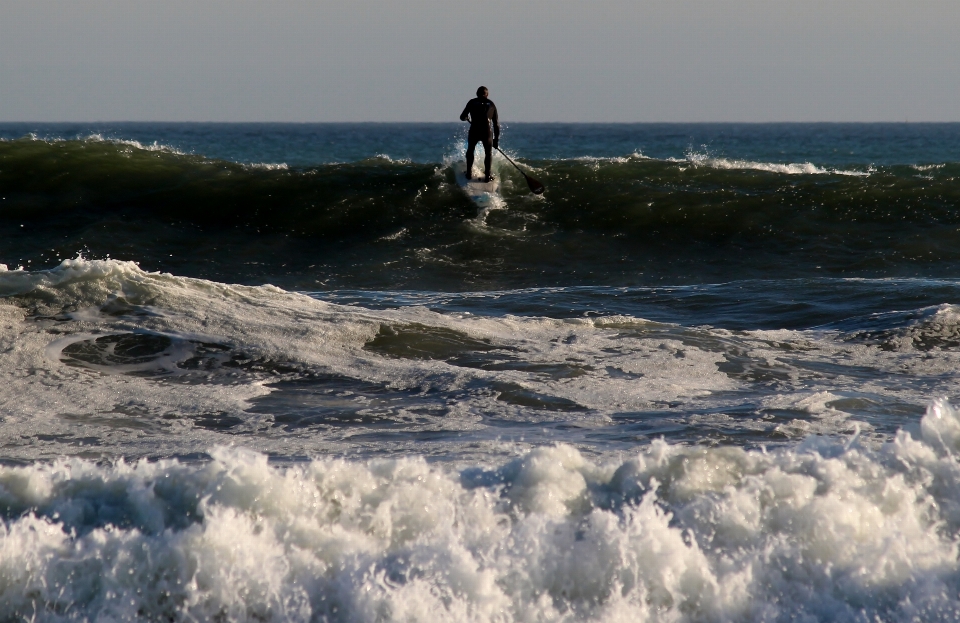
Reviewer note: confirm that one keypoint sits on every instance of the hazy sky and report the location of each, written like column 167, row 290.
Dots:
column 420, row 60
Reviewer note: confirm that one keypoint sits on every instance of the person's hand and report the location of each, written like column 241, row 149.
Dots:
column 496, row 143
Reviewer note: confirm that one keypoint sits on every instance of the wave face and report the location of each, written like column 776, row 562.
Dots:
column 381, row 223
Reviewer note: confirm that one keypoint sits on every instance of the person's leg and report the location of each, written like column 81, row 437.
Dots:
column 487, row 156
column 471, row 146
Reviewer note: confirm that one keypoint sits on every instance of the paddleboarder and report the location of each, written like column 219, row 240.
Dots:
column 481, row 113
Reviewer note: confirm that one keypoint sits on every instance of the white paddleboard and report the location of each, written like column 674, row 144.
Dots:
column 482, row 193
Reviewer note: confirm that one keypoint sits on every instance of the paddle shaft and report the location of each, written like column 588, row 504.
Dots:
column 511, row 161
column 535, row 186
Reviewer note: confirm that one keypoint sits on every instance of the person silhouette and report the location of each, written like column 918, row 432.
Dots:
column 481, row 112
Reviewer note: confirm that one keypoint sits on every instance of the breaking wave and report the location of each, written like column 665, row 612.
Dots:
column 619, row 216
column 827, row 531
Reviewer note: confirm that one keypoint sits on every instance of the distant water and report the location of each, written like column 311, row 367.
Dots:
column 266, row 372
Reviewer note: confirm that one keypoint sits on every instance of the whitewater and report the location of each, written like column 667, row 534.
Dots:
column 290, row 373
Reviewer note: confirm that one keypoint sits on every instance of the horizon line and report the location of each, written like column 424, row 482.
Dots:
column 131, row 121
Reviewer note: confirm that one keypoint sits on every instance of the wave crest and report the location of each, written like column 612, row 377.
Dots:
column 801, row 168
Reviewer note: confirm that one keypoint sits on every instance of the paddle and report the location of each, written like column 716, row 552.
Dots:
column 535, row 186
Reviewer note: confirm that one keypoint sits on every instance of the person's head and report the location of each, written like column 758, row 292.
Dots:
column 482, row 92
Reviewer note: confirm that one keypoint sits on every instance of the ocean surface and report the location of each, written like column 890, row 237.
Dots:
column 271, row 372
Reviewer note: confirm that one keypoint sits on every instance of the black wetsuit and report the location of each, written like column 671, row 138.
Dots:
column 482, row 113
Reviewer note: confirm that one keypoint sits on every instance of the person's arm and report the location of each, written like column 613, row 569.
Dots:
column 466, row 111
column 496, row 128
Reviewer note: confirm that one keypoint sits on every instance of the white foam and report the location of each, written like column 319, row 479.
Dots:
column 154, row 146
column 819, row 417
column 825, row 528
column 158, row 147
column 828, row 530
column 456, row 153
column 597, row 160
column 400, row 233
column 388, row 159
column 815, row 403
column 268, row 166
column 587, row 371
column 801, row 168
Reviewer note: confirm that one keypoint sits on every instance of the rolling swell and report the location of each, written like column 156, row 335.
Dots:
column 382, row 223
column 77, row 179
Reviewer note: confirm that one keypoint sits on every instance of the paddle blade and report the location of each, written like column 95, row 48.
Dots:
column 535, row 186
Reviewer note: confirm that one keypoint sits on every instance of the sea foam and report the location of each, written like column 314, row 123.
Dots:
column 826, row 531
column 794, row 168
column 105, row 359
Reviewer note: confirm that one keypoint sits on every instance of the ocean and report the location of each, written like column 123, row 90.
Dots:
column 290, row 372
